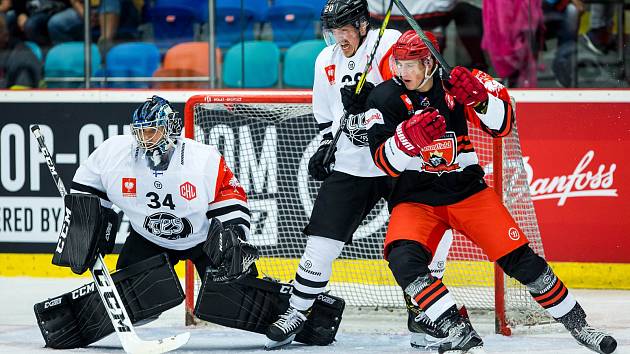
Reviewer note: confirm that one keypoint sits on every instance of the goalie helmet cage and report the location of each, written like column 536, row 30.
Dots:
column 267, row 138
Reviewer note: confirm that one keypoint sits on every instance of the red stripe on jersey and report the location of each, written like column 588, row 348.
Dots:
column 227, row 186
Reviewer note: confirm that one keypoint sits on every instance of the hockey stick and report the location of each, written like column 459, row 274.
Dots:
column 368, row 65
column 447, row 68
column 107, row 290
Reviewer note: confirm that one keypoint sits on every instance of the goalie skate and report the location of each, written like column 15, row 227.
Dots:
column 282, row 332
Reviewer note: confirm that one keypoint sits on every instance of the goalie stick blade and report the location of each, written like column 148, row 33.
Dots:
column 134, row 345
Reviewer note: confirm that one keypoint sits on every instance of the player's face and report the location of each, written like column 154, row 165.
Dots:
column 150, row 136
column 412, row 73
column 348, row 39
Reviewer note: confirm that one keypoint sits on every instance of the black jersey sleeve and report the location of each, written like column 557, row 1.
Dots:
column 386, row 110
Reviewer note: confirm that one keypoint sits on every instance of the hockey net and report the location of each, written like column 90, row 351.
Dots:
column 267, row 138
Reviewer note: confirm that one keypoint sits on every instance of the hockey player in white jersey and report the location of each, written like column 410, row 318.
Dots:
column 183, row 203
column 352, row 184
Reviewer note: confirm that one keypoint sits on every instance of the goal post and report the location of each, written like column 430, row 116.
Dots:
column 267, row 138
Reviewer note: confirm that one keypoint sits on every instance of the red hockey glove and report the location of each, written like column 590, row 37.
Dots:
column 419, row 131
column 465, row 88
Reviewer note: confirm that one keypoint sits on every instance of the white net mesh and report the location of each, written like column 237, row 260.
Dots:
column 268, row 145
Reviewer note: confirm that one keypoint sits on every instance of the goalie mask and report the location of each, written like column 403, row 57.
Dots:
column 339, row 13
column 155, row 125
column 410, row 55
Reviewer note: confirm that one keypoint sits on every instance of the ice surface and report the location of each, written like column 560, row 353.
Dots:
column 361, row 331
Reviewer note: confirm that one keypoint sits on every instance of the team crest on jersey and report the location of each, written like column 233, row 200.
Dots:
column 330, row 73
column 188, row 191
column 355, row 130
column 128, row 187
column 439, row 156
column 168, row 226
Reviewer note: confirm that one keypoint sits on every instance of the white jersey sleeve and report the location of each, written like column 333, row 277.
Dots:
column 324, row 73
column 87, row 178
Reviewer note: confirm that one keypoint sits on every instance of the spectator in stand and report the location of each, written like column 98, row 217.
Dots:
column 18, row 65
column 510, row 34
column 31, row 18
column 434, row 16
column 599, row 39
column 562, row 20
column 112, row 16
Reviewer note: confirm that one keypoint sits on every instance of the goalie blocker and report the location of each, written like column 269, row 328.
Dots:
column 78, row 318
column 252, row 304
column 87, row 229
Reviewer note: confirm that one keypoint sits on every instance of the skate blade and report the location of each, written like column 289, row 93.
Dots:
column 276, row 345
column 474, row 350
column 424, row 342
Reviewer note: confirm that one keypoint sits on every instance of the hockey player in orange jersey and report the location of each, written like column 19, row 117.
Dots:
column 418, row 132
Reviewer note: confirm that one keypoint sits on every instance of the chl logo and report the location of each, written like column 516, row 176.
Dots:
column 129, row 187
column 188, row 191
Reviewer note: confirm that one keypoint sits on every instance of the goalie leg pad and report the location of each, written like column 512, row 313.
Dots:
column 87, row 229
column 252, row 304
column 78, row 318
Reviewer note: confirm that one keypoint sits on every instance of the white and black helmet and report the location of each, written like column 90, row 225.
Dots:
column 338, row 13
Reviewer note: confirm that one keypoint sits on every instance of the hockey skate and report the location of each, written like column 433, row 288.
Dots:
column 461, row 336
column 593, row 339
column 282, row 332
column 424, row 332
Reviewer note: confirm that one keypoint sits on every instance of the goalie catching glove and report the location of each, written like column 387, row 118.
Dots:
column 230, row 254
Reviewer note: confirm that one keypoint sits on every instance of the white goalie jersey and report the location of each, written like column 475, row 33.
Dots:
column 333, row 71
column 170, row 208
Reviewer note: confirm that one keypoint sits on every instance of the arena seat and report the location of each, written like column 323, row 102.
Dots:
column 292, row 21
column 66, row 60
column 299, row 63
column 173, row 22
column 187, row 60
column 228, row 17
column 262, row 59
column 134, row 59
column 35, row 49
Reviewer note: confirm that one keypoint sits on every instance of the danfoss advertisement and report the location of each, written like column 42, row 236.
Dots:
column 579, row 177
column 574, row 146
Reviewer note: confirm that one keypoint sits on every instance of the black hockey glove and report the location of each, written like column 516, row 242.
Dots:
column 352, row 103
column 316, row 167
column 230, row 254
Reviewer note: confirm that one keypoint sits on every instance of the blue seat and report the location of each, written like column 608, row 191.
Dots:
column 173, row 21
column 299, row 63
column 66, row 60
column 35, row 49
column 231, row 20
column 292, row 21
column 262, row 59
column 136, row 59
